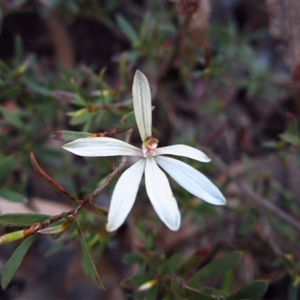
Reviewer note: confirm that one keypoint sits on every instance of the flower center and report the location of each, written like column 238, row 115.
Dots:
column 149, row 146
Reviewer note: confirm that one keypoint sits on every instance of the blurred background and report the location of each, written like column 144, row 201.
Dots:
column 224, row 77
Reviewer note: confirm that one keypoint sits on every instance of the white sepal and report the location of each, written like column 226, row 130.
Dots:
column 142, row 104
column 183, row 150
column 191, row 180
column 102, row 146
column 124, row 195
column 160, row 194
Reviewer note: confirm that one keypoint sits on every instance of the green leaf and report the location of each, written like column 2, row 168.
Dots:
column 7, row 165
column 12, row 118
column 131, row 259
column 171, row 264
column 228, row 280
column 270, row 144
column 65, row 97
column 254, row 290
column 35, row 87
column 4, row 66
column 127, row 122
column 195, row 294
column 290, row 138
column 127, row 29
column 11, row 237
column 140, row 279
column 15, row 260
column 217, row 267
column 56, row 229
column 177, row 289
column 12, row 196
column 22, row 219
column 66, row 135
column 151, row 294
column 88, row 261
column 10, row 92
column 196, row 259
column 78, row 92
column 83, row 112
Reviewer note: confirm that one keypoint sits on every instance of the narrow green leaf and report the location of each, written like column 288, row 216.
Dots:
column 12, row 196
column 228, row 280
column 131, row 259
column 7, row 165
column 253, row 291
column 88, row 261
column 78, row 92
column 10, row 92
column 151, row 294
column 35, row 87
column 22, row 219
column 290, row 138
column 217, row 267
column 196, row 259
column 80, row 116
column 78, row 113
column 11, row 237
column 140, row 279
column 4, row 66
column 65, row 97
column 15, row 260
column 66, row 135
column 171, row 264
column 11, row 118
column 177, row 289
column 127, row 122
column 24, row 66
column 56, row 229
column 196, row 294
column 127, row 29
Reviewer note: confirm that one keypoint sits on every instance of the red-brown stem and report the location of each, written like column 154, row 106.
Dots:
column 48, row 179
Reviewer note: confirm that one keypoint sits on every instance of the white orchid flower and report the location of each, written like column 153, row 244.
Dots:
column 150, row 161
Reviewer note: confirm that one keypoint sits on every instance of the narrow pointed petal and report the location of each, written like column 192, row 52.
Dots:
column 183, row 150
column 124, row 195
column 191, row 180
column 142, row 104
column 102, row 146
column 161, row 196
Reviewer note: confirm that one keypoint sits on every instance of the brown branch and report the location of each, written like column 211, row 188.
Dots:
column 47, row 178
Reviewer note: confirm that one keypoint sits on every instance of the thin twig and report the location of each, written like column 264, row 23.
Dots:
column 47, row 178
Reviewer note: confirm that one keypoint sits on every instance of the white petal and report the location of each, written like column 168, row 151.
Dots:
column 161, row 196
column 191, row 180
column 124, row 195
column 183, row 150
column 142, row 104
column 102, row 146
